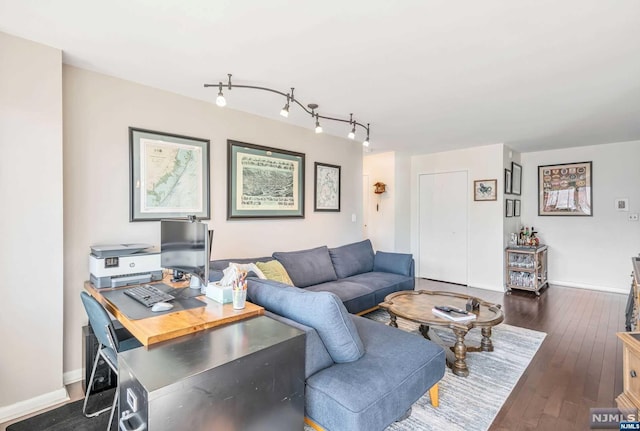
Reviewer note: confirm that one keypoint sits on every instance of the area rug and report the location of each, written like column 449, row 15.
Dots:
column 471, row 402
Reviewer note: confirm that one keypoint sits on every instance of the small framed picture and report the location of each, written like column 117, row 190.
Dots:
column 509, row 208
column 326, row 191
column 507, row 181
column 622, row 204
column 516, row 178
column 516, row 208
column 485, row 190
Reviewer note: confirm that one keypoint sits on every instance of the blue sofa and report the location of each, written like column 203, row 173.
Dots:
column 361, row 375
column 357, row 275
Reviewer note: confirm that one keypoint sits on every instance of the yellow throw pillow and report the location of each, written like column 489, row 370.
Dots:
column 274, row 270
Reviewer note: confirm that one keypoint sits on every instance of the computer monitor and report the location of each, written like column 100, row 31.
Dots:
column 185, row 245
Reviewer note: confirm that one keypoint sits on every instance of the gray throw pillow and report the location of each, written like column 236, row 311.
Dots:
column 323, row 311
column 307, row 267
column 352, row 259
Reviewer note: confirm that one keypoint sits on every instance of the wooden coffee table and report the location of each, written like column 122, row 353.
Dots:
column 416, row 306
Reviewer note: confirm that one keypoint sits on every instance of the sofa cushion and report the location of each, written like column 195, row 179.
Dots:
column 352, row 259
column 396, row 370
column 397, row 263
column 383, row 283
column 273, row 270
column 356, row 297
column 322, row 311
column 307, row 267
column 316, row 355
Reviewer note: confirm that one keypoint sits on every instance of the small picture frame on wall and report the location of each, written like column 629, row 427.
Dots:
column 516, row 208
column 485, row 190
column 516, row 179
column 507, row 181
column 509, row 208
column 326, row 191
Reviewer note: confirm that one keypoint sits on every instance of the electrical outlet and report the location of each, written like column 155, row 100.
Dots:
column 633, row 217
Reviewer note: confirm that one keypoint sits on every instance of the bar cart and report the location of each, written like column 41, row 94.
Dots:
column 526, row 268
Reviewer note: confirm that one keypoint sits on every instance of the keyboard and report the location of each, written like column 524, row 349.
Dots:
column 148, row 295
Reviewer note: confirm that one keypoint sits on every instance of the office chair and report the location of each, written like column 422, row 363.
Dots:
column 109, row 346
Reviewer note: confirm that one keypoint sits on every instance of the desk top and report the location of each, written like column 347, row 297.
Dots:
column 168, row 326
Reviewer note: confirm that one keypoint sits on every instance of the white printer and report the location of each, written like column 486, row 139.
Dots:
column 117, row 265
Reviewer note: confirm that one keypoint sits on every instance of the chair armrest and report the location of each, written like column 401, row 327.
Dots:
column 395, row 263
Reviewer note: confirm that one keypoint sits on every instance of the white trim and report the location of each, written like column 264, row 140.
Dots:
column 72, row 376
column 589, row 287
column 32, row 405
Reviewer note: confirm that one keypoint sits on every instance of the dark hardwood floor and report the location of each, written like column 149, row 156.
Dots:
column 579, row 364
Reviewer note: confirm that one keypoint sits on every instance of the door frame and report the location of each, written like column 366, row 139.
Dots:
column 418, row 220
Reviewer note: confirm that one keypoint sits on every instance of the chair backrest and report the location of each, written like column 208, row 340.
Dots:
column 100, row 321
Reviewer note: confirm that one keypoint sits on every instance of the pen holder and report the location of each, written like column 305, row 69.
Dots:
column 239, row 298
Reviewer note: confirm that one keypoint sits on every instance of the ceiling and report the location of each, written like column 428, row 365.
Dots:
column 429, row 75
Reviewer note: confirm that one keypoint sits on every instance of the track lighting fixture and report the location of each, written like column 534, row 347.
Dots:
column 309, row 109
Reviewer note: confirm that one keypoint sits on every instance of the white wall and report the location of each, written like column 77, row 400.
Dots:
column 382, row 207
column 31, row 258
column 590, row 252
column 403, row 203
column 486, row 231
column 98, row 109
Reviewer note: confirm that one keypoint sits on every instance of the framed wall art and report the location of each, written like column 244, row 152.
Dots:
column 485, row 190
column 326, row 190
column 264, row 182
column 509, row 208
column 516, row 208
column 168, row 176
column 565, row 189
column 507, row 181
column 516, row 178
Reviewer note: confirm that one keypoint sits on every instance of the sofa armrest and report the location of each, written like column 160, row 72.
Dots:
column 395, row 263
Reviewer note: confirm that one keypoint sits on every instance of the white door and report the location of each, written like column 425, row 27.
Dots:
column 443, row 226
column 365, row 206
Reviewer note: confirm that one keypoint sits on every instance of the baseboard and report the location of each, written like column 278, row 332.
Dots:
column 72, row 376
column 589, row 287
column 489, row 287
column 29, row 406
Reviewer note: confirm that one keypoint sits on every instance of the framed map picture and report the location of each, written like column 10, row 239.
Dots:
column 169, row 176
column 264, row 182
column 565, row 190
column 327, row 187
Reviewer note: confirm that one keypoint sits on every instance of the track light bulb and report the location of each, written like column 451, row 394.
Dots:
column 285, row 111
column 352, row 133
column 220, row 100
column 365, row 143
column 318, row 126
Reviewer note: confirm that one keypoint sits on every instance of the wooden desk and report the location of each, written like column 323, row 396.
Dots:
column 167, row 326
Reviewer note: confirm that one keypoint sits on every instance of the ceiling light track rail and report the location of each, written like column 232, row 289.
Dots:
column 290, row 98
